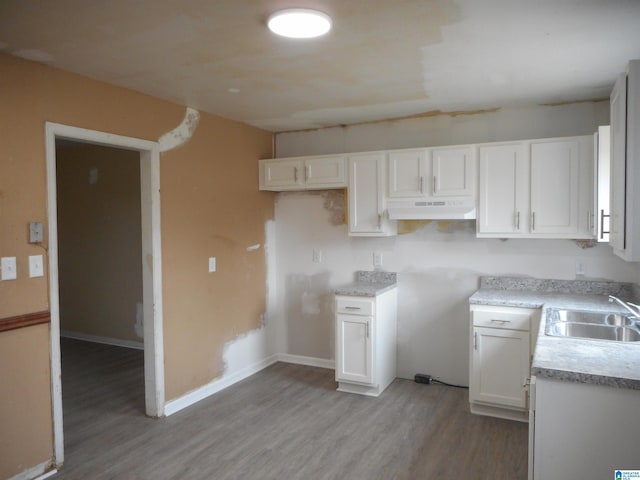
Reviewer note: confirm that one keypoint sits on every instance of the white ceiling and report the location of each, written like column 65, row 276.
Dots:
column 383, row 59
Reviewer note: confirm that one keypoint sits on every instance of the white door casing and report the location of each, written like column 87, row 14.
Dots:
column 152, row 273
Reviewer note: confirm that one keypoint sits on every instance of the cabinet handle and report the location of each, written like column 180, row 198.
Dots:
column 435, row 182
column 307, row 172
column 421, row 184
column 351, row 308
column 501, row 322
column 296, row 174
column 475, row 340
column 533, row 221
column 379, row 221
column 367, row 324
column 518, row 220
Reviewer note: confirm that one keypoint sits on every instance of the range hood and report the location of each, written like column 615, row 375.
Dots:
column 431, row 210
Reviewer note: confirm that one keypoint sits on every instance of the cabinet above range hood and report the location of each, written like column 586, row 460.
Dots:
column 431, row 210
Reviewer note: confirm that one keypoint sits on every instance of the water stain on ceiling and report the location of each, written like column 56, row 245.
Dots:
column 383, row 59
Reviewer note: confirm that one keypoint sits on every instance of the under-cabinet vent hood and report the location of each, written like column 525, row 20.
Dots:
column 431, row 210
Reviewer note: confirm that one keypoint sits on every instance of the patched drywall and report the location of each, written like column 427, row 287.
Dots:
column 439, row 262
column 210, row 206
column 99, row 240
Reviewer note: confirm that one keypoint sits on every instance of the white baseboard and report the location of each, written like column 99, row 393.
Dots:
column 37, row 472
column 194, row 396
column 309, row 361
column 87, row 337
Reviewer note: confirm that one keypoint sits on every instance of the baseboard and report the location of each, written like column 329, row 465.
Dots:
column 39, row 472
column 87, row 337
column 174, row 406
column 309, row 361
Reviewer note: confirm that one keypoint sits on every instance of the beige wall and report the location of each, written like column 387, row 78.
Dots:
column 99, row 240
column 210, row 207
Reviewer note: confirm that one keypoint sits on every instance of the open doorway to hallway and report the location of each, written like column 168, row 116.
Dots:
column 147, row 154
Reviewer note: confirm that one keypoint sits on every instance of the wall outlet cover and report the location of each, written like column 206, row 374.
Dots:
column 36, row 266
column 9, row 270
column 212, row 264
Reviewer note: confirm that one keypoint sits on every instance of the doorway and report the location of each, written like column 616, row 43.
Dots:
column 151, row 311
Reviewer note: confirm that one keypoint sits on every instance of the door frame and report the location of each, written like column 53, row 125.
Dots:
column 151, row 266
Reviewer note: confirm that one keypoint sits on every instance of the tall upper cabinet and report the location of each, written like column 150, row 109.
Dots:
column 624, row 234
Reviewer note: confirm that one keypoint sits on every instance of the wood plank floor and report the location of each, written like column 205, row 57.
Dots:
column 286, row 422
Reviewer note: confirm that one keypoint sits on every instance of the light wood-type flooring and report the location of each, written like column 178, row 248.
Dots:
column 285, row 422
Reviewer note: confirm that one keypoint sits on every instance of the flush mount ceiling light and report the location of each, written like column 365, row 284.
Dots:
column 299, row 23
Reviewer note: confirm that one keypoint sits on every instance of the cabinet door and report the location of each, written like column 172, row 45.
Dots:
column 407, row 174
column 554, row 187
column 281, row 173
column 452, row 172
column 325, row 172
column 366, row 173
column 354, row 362
column 500, row 367
column 617, row 161
column 503, row 189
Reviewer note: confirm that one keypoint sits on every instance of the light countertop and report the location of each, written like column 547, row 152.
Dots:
column 583, row 360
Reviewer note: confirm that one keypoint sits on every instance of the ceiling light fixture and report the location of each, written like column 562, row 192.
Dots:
column 299, row 23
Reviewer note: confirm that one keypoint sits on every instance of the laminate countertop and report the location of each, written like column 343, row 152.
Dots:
column 600, row 362
column 369, row 284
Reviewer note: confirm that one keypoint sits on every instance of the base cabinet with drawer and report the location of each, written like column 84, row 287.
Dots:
column 500, row 360
column 366, row 342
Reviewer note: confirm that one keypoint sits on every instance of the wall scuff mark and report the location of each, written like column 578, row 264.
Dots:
column 182, row 133
column 252, row 248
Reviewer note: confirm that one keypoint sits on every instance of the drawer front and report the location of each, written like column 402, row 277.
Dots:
column 501, row 319
column 355, row 306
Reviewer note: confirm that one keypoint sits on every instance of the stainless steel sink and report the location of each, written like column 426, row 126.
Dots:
column 599, row 318
column 593, row 325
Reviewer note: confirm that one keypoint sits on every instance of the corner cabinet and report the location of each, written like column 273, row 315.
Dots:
column 624, row 234
column 303, row 173
column 500, row 360
column 367, row 210
column 366, row 343
column 537, row 189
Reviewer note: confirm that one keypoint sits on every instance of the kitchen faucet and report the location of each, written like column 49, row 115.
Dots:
column 635, row 311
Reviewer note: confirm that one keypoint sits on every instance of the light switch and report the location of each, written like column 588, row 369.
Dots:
column 317, row 255
column 36, row 268
column 9, row 271
column 212, row 264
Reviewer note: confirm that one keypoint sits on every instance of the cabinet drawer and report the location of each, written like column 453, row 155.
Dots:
column 355, row 306
column 502, row 319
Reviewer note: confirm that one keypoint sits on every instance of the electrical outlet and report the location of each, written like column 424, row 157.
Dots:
column 317, row 255
column 212, row 264
column 377, row 259
column 581, row 267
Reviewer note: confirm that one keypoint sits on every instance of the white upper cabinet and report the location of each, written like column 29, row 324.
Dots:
column 431, row 172
column 453, row 173
column 625, row 165
column 367, row 215
column 504, row 189
column 537, row 188
column 554, row 187
column 303, row 173
column 407, row 173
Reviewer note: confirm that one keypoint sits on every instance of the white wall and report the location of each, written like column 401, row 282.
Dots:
column 438, row 265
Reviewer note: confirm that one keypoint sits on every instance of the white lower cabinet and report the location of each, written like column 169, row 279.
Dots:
column 583, row 430
column 366, row 343
column 500, row 360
